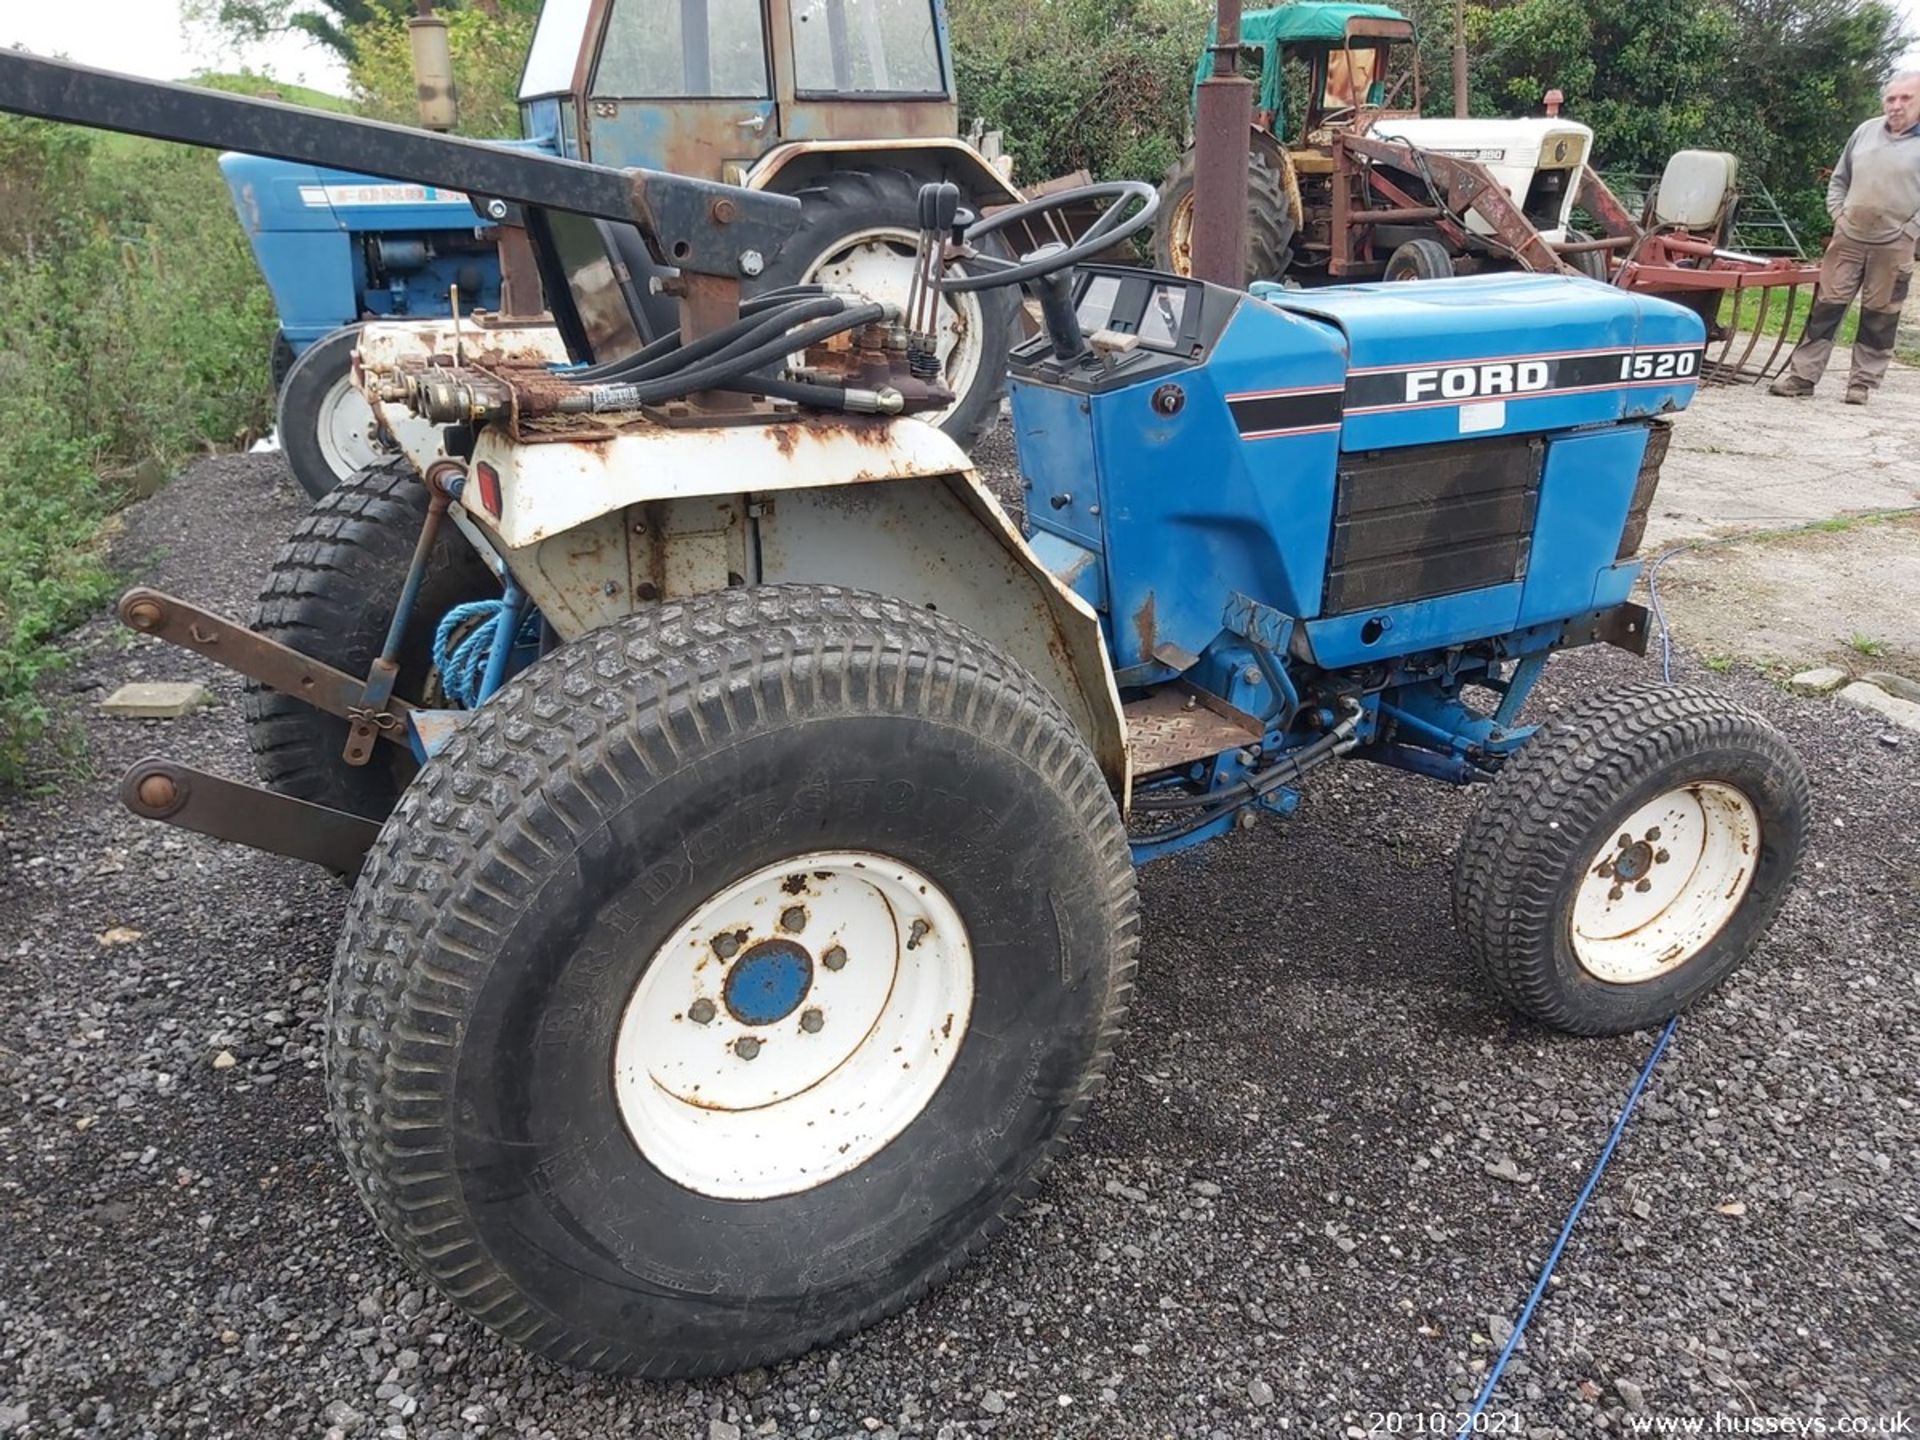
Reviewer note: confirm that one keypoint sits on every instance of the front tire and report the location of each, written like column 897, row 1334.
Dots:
column 858, row 228
column 1419, row 260
column 580, row 1000
column 327, row 430
column 1630, row 858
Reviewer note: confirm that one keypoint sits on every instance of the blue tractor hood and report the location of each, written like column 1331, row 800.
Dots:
column 1430, row 361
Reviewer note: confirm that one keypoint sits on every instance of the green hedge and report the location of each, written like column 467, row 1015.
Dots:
column 133, row 327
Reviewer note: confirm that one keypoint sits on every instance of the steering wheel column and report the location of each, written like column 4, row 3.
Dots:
column 1046, row 273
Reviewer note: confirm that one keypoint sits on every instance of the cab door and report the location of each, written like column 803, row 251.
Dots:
column 680, row 85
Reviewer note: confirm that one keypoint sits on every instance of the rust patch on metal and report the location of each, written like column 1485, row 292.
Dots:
column 1144, row 627
column 794, row 885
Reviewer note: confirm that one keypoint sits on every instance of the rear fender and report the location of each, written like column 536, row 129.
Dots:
column 788, row 168
column 593, row 529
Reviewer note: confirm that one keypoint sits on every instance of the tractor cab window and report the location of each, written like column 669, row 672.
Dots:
column 683, row 49
column 1352, row 79
column 866, row 47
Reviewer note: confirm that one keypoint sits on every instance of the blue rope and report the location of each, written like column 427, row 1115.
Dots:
column 1633, row 1095
column 463, row 668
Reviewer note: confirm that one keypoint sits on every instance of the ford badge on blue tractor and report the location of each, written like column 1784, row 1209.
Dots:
column 742, row 812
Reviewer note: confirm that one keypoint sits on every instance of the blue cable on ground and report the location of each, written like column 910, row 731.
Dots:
column 463, row 668
column 1566, row 1230
column 1626, row 1111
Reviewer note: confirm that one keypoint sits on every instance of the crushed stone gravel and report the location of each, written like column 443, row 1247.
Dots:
column 1317, row 1189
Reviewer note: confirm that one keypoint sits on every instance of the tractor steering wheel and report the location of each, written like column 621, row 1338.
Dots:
column 1112, row 227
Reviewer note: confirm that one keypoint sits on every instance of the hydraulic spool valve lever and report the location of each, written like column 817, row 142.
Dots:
column 940, row 217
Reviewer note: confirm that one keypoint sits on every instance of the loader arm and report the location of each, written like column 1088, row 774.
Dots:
column 698, row 226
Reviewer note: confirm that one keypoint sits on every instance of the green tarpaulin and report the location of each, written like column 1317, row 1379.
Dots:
column 1301, row 24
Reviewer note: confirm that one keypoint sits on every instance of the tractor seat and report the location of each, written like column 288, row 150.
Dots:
column 1695, row 189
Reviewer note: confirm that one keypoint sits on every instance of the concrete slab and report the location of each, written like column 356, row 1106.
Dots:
column 156, row 700
column 1743, row 460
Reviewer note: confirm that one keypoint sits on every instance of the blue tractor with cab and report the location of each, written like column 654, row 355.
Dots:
column 743, row 811
column 847, row 105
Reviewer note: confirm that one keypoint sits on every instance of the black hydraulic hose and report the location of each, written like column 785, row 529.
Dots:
column 718, row 371
column 712, row 349
column 670, row 341
column 747, row 329
column 801, row 392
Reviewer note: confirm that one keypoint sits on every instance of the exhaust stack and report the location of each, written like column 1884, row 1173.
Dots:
column 433, row 73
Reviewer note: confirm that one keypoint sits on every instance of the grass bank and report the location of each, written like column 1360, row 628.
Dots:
column 134, row 329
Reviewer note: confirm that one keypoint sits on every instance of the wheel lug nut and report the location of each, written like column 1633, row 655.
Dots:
column 811, row 1021
column 746, row 1047
column 793, row 919
column 1653, row 832
column 726, row 946
column 834, row 958
column 1626, row 842
column 1660, row 857
column 1644, row 886
column 1615, row 893
column 701, row 1012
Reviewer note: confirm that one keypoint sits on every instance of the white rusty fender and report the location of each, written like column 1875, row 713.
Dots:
column 891, row 506
column 553, row 486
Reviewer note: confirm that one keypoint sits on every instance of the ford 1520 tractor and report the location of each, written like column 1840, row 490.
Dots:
column 743, row 812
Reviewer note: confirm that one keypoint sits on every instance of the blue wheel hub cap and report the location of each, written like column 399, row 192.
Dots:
column 768, row 983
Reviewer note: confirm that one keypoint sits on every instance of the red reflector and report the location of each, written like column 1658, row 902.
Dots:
column 488, row 481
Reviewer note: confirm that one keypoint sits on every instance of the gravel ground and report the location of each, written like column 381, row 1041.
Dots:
column 1316, row 1191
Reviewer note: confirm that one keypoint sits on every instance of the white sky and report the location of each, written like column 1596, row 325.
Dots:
column 146, row 37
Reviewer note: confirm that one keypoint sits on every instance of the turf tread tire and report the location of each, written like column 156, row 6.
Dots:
column 542, row 764
column 1553, row 800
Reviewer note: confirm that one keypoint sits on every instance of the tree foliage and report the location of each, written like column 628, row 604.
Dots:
column 1779, row 83
column 1100, row 85
column 489, row 51
column 336, row 24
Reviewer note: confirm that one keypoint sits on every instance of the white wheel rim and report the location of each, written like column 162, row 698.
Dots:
column 878, row 264
column 794, row 1025
column 1665, row 882
column 345, row 429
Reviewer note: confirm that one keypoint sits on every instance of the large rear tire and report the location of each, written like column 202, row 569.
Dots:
column 729, row 979
column 859, row 228
column 1630, row 858
column 327, row 431
column 330, row 595
column 1271, row 221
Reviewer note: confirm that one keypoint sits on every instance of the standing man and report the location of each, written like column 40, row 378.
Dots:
column 1875, row 203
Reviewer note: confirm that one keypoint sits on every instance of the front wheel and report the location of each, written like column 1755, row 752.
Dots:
column 1419, row 260
column 1631, row 857
column 729, row 979
column 327, row 429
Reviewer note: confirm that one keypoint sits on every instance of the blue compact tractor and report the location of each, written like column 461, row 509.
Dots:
column 743, row 812
column 847, row 105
